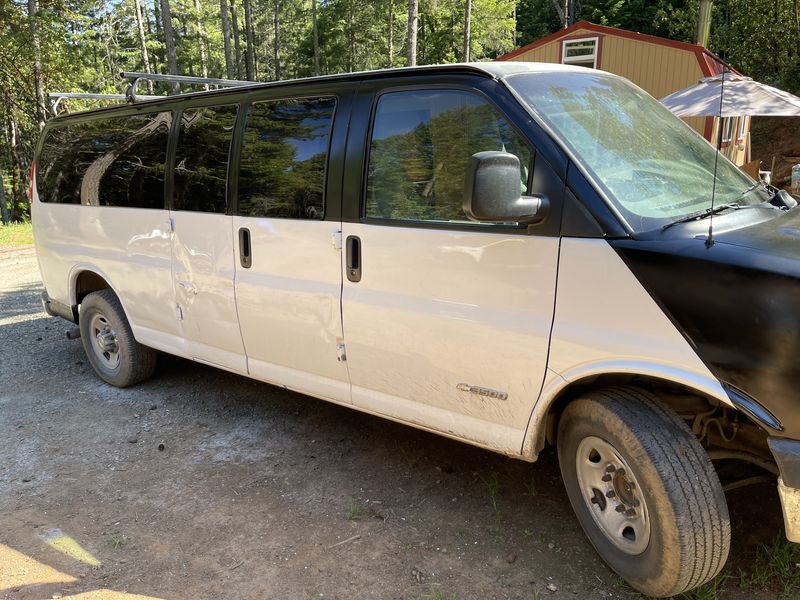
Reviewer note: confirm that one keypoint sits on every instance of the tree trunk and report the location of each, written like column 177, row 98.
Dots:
column 17, row 168
column 226, row 38
column 3, row 205
column 143, row 42
column 391, row 33
column 236, row 43
column 351, row 36
column 413, row 22
column 316, row 36
column 169, row 42
column 276, row 47
column 249, row 56
column 201, row 39
column 514, row 33
column 467, row 29
column 33, row 8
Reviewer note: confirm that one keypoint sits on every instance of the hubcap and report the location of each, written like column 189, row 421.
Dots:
column 612, row 495
column 105, row 341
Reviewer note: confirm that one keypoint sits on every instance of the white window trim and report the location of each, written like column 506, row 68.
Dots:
column 585, row 57
column 727, row 134
column 740, row 133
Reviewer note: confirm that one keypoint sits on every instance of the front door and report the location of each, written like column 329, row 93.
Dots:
column 446, row 321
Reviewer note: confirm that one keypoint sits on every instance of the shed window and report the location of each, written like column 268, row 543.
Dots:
column 727, row 129
column 742, row 128
column 580, row 53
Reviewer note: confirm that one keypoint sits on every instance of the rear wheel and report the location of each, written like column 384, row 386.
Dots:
column 644, row 490
column 108, row 341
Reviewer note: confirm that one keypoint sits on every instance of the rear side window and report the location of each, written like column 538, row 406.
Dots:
column 422, row 142
column 106, row 162
column 201, row 159
column 282, row 165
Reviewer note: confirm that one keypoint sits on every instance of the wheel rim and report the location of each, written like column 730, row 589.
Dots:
column 612, row 495
column 104, row 342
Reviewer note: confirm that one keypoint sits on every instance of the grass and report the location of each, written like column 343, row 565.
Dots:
column 354, row 514
column 16, row 234
column 116, row 542
column 438, row 594
column 492, row 485
column 775, row 565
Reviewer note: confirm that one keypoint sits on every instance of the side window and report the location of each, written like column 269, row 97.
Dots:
column 284, row 152
column 201, row 159
column 106, row 162
column 421, row 146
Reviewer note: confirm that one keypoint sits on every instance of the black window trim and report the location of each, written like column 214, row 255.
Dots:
column 233, row 182
column 520, row 229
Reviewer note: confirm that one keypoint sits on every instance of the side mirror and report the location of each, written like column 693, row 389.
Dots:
column 493, row 191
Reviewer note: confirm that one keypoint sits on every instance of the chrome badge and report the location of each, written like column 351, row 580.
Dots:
column 482, row 391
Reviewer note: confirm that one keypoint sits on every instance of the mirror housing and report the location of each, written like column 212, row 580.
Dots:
column 492, row 191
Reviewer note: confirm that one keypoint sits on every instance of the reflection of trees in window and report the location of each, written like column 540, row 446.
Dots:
column 282, row 166
column 201, row 159
column 107, row 162
column 418, row 171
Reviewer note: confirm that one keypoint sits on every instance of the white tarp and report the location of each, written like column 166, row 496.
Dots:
column 742, row 96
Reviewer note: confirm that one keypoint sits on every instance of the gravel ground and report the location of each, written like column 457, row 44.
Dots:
column 203, row 484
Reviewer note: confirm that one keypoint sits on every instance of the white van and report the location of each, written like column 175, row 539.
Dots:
column 507, row 254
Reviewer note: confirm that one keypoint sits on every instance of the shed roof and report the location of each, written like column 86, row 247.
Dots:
column 710, row 63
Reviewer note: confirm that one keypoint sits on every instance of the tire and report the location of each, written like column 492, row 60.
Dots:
column 673, row 533
column 108, row 341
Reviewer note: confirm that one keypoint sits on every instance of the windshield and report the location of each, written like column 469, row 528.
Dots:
column 651, row 165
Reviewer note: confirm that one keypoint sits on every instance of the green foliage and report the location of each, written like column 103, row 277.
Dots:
column 759, row 37
column 16, row 234
column 82, row 45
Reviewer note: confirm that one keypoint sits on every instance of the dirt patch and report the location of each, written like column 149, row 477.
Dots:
column 777, row 137
column 203, row 484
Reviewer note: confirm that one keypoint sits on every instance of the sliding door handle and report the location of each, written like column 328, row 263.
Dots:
column 245, row 255
column 353, row 258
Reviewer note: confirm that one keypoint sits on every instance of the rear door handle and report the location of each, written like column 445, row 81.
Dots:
column 353, row 258
column 245, row 255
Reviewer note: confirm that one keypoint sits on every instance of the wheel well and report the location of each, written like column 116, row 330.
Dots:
column 722, row 430
column 88, row 282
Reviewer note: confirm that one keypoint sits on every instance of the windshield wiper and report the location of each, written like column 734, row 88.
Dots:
column 702, row 214
column 756, row 185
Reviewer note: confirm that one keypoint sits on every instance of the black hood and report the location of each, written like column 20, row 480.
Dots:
column 737, row 302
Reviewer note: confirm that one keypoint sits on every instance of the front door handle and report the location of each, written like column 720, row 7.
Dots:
column 245, row 252
column 353, row 258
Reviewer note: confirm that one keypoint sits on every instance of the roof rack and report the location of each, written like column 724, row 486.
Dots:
column 57, row 97
column 135, row 78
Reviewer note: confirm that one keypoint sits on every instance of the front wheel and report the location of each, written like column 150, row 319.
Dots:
column 114, row 353
column 644, row 490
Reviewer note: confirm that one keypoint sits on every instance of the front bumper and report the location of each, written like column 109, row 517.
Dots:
column 787, row 455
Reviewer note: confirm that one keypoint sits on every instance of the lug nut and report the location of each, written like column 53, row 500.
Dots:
column 606, row 477
column 621, row 472
column 610, row 494
column 630, row 512
column 610, row 469
column 635, row 503
column 620, row 508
